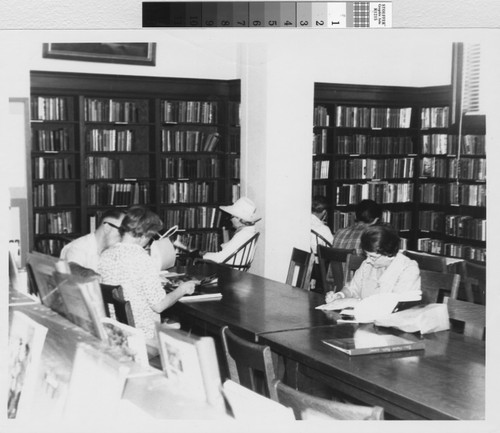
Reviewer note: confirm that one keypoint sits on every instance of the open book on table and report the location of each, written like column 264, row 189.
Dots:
column 206, row 289
column 373, row 307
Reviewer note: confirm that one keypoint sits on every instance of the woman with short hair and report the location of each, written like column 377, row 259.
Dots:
column 385, row 270
column 128, row 264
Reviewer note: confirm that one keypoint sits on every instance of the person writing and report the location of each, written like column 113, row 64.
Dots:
column 385, row 270
column 128, row 264
column 243, row 219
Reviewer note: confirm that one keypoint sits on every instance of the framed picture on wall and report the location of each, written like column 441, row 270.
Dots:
column 138, row 53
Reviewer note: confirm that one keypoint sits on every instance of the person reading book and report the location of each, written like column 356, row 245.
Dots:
column 385, row 270
column 243, row 219
column 86, row 250
column 128, row 264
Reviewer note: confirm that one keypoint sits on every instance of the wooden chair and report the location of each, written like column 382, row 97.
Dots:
column 436, row 285
column 473, row 278
column 352, row 264
column 303, row 262
column 114, row 301
column 472, row 315
column 249, row 364
column 32, row 285
column 428, row 262
column 319, row 239
column 334, row 259
column 242, row 258
column 301, row 403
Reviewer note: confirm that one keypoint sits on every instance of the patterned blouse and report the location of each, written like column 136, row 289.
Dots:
column 131, row 266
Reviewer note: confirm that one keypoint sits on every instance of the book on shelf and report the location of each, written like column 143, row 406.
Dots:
column 96, row 385
column 126, row 342
column 190, row 364
column 205, row 290
column 367, row 342
column 26, row 341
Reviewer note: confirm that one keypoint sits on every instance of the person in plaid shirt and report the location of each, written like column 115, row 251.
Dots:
column 368, row 212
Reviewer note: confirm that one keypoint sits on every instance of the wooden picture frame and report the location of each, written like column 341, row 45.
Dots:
column 136, row 53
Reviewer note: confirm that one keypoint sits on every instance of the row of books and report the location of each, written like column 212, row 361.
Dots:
column 401, row 220
column 432, row 221
column 54, row 222
column 52, row 247
column 434, row 117
column 103, row 167
column 191, row 168
column 51, row 140
column 321, row 116
column 447, row 144
column 462, row 226
column 319, row 189
column 469, row 195
column 465, row 226
column 189, row 192
column 468, row 168
column 234, row 113
column 200, row 217
column 235, row 192
column 109, row 110
column 44, row 195
column 234, row 168
column 189, row 141
column 49, row 108
column 52, row 168
column 393, row 168
column 118, row 194
column 365, row 144
column 321, row 169
column 207, row 241
column 320, row 142
column 433, row 167
column 110, row 140
column 381, row 192
column 437, row 246
column 189, row 112
column 375, row 117
column 234, row 143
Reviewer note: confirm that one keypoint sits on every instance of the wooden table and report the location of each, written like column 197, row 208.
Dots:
column 253, row 305
column 446, row 381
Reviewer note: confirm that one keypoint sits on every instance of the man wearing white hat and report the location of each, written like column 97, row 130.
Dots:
column 243, row 219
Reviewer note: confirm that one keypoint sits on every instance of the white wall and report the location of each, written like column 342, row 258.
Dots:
column 278, row 70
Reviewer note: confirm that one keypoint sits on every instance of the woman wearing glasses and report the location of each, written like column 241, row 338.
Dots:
column 385, row 269
column 128, row 264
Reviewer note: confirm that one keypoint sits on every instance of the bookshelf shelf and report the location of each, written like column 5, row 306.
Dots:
column 396, row 145
column 111, row 140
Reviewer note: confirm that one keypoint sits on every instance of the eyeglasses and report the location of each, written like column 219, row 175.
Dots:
column 112, row 225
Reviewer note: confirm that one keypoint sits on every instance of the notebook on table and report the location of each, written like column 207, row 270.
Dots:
column 206, row 289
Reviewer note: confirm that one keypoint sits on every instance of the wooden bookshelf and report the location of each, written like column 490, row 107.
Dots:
column 397, row 146
column 102, row 141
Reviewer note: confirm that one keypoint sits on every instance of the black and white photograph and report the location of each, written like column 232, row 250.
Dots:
column 328, row 166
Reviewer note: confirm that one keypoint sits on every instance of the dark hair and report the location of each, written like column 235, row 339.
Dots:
column 140, row 221
column 319, row 204
column 367, row 211
column 111, row 213
column 382, row 239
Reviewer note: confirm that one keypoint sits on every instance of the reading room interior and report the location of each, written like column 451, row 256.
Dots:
column 275, row 227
